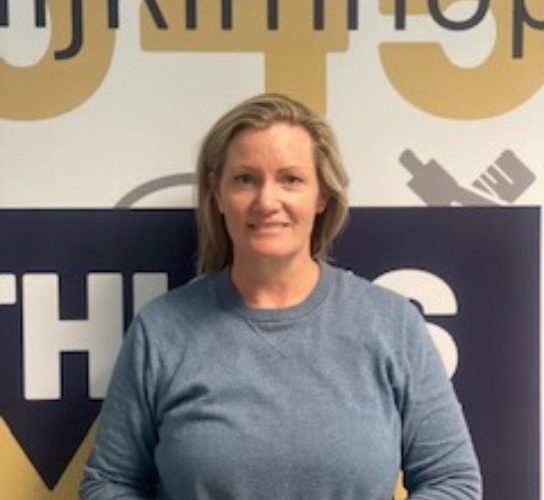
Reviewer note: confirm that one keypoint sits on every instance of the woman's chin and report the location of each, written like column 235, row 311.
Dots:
column 270, row 253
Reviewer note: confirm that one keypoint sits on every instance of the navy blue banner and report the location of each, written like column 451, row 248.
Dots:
column 487, row 257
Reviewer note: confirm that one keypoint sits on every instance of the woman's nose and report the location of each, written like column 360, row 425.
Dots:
column 268, row 196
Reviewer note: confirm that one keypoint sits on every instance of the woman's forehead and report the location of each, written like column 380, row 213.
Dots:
column 280, row 141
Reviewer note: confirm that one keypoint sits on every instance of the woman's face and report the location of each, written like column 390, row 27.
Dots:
column 269, row 193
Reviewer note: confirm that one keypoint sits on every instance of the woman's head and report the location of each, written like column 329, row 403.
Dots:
column 260, row 113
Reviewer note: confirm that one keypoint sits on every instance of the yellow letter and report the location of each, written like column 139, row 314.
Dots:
column 55, row 86
column 295, row 52
column 423, row 74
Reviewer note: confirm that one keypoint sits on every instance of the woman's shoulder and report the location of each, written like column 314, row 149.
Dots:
column 352, row 287
column 389, row 318
column 184, row 303
column 364, row 302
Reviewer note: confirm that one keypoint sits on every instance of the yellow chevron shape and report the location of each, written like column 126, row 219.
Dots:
column 19, row 479
column 400, row 492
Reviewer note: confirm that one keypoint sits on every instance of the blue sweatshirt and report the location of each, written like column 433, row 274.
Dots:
column 327, row 400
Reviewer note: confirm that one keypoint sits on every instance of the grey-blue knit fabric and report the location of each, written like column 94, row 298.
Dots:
column 327, row 400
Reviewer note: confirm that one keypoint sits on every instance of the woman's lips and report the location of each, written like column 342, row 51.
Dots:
column 267, row 226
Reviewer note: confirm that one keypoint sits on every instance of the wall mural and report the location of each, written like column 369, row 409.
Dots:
column 438, row 107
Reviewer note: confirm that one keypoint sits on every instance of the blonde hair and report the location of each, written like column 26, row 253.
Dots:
column 260, row 112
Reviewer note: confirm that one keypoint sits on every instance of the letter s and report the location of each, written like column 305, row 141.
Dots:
column 435, row 297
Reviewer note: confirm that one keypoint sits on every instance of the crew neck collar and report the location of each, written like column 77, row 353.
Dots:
column 230, row 298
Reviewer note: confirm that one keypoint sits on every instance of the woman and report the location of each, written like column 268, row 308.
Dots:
column 275, row 375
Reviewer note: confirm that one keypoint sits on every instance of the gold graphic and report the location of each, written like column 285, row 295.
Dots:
column 20, row 480
column 422, row 73
column 54, row 86
column 295, row 53
column 400, row 492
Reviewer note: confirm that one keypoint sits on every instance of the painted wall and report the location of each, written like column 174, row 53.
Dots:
column 439, row 110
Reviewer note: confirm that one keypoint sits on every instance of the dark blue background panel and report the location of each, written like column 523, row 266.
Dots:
column 489, row 257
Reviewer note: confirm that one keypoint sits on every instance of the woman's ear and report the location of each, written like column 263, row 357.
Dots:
column 322, row 201
column 214, row 187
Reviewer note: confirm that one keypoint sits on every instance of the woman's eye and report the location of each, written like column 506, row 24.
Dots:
column 243, row 179
column 293, row 180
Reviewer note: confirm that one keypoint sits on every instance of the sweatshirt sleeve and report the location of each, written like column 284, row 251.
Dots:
column 439, row 461
column 121, row 464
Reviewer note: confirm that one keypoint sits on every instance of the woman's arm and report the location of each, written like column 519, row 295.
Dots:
column 121, row 463
column 439, row 461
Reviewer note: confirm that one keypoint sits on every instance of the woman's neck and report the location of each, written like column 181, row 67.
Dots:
column 270, row 284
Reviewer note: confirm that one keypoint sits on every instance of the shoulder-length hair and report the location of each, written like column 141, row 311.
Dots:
column 260, row 112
